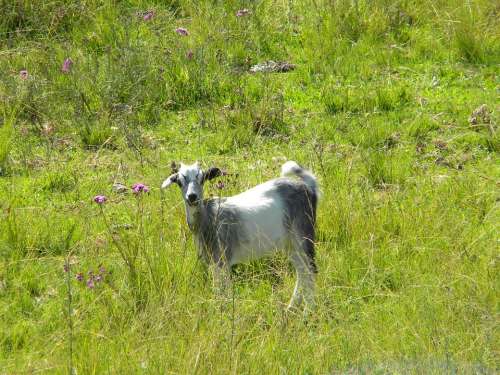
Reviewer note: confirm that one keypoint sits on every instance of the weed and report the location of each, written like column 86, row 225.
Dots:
column 267, row 116
column 6, row 138
column 95, row 135
column 60, row 181
column 420, row 128
column 380, row 99
column 379, row 169
column 468, row 44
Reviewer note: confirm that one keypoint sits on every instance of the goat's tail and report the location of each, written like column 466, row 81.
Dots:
column 291, row 168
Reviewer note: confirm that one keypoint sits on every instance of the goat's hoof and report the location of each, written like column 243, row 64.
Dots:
column 304, row 311
column 292, row 310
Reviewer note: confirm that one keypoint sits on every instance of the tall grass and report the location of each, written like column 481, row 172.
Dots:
column 6, row 138
column 379, row 107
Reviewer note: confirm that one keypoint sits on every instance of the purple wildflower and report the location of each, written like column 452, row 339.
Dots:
column 90, row 283
column 98, row 278
column 242, row 12
column 66, row 66
column 182, row 31
column 189, row 55
column 148, row 15
column 220, row 185
column 140, row 188
column 23, row 74
column 79, row 276
column 66, row 267
column 100, row 199
column 102, row 270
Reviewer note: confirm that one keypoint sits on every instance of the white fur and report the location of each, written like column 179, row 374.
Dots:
column 292, row 169
column 262, row 216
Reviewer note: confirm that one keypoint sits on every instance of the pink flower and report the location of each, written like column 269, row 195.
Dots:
column 140, row 188
column 182, row 31
column 90, row 282
column 148, row 15
column 100, row 199
column 242, row 12
column 66, row 66
column 23, row 74
column 79, row 276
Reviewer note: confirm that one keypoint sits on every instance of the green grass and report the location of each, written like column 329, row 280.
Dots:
column 378, row 107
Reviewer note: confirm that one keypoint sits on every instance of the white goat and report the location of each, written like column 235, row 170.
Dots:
column 278, row 214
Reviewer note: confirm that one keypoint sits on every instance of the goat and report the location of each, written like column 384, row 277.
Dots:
column 278, row 214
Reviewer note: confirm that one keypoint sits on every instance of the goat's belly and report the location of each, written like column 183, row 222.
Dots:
column 262, row 237
column 261, row 213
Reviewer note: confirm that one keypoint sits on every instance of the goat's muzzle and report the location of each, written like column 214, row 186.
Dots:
column 193, row 200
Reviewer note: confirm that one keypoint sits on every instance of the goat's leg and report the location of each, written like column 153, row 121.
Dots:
column 221, row 277
column 219, row 270
column 221, row 273
column 296, row 299
column 305, row 273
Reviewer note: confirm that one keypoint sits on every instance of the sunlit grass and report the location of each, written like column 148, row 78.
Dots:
column 379, row 107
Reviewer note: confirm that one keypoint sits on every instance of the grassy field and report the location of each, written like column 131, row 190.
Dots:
column 384, row 105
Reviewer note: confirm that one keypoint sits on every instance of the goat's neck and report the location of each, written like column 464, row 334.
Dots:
column 197, row 220
column 194, row 216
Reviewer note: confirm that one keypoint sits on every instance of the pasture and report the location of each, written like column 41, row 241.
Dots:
column 394, row 105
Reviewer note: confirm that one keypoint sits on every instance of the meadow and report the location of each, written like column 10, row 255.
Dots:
column 393, row 104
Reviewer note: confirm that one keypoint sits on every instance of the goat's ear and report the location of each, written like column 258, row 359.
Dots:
column 174, row 167
column 212, row 173
column 169, row 181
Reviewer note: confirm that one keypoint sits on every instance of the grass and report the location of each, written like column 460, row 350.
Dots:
column 378, row 107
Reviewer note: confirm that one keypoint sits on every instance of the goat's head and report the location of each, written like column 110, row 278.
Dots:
column 190, row 179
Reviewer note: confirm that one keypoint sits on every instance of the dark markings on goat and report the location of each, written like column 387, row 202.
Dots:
column 300, row 204
column 220, row 231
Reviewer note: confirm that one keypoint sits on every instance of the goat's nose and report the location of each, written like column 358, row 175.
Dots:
column 192, row 198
